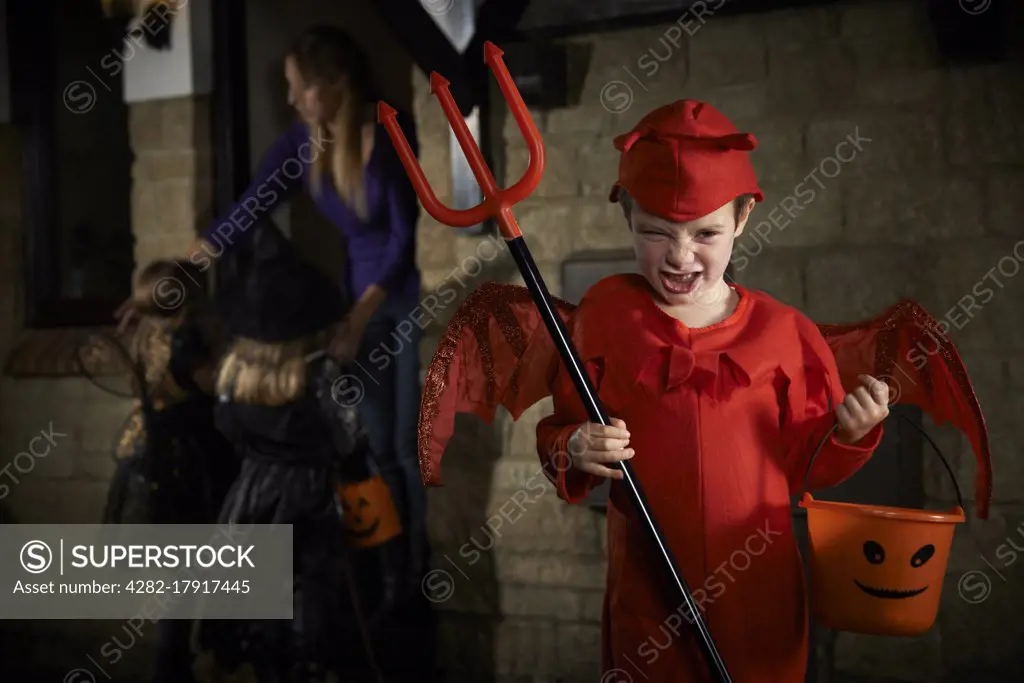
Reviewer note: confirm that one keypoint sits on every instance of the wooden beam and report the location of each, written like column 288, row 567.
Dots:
column 230, row 104
column 493, row 23
column 430, row 48
column 229, row 114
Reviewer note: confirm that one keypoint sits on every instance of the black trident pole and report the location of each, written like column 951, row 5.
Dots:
column 556, row 328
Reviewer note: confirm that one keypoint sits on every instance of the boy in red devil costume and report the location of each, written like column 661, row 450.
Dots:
column 724, row 392
column 720, row 396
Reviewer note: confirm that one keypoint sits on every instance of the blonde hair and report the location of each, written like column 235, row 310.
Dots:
column 168, row 294
column 268, row 374
column 151, row 349
column 327, row 58
column 342, row 159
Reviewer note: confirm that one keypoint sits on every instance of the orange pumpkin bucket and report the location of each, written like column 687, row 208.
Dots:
column 878, row 570
column 368, row 512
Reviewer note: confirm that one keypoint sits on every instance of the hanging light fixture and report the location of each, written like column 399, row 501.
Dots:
column 157, row 19
column 148, row 20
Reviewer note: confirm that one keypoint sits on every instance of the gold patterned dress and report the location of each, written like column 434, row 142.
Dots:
column 173, row 465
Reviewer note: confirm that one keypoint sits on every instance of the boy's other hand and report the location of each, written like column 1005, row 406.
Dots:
column 593, row 446
column 862, row 410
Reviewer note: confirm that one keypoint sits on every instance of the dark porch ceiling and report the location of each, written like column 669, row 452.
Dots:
column 960, row 35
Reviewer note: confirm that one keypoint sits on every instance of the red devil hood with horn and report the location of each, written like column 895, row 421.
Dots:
column 685, row 160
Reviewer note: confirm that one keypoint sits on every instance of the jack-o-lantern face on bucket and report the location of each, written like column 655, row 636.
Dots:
column 879, row 585
column 369, row 513
column 875, row 569
column 358, row 515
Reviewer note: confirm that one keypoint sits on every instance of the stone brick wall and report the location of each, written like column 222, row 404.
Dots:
column 887, row 173
column 68, row 484
column 173, row 192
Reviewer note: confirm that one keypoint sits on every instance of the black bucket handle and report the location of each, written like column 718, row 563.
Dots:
column 938, row 452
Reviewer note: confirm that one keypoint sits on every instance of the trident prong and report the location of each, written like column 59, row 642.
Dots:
column 522, row 189
column 497, row 202
column 458, row 219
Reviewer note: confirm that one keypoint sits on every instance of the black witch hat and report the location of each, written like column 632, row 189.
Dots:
column 271, row 294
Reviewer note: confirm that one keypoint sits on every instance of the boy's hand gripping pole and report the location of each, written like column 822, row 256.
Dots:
column 498, row 204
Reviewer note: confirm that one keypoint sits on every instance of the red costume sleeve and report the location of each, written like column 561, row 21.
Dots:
column 814, row 392
column 554, row 431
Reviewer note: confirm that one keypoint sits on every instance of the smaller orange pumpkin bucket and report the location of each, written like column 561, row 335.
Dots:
column 368, row 512
column 875, row 569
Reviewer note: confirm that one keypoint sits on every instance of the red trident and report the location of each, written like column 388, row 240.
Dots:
column 498, row 204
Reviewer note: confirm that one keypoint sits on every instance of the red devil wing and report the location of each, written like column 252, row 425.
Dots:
column 906, row 347
column 495, row 352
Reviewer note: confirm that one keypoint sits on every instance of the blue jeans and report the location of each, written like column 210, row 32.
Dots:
column 389, row 356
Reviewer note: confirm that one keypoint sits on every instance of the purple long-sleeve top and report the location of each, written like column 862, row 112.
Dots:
column 382, row 249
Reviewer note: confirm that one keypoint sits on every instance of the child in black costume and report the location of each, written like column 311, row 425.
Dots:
column 173, row 464
column 277, row 390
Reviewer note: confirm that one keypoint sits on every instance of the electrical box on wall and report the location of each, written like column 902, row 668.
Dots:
column 540, row 71
column 970, row 31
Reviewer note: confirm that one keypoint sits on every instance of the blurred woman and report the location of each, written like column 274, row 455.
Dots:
column 337, row 153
